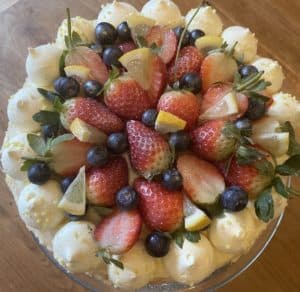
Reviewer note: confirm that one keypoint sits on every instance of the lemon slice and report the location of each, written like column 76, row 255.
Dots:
column 168, row 123
column 227, row 106
column 208, row 43
column 87, row 133
column 137, row 63
column 195, row 219
column 74, row 199
column 77, row 70
column 139, row 24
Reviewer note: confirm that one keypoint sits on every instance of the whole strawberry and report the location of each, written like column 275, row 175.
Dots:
column 189, row 60
column 100, row 187
column 160, row 208
column 92, row 112
column 182, row 104
column 126, row 98
column 149, row 152
column 212, row 141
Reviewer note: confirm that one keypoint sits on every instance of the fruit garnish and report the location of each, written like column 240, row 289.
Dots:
column 87, row 133
column 208, row 42
column 74, row 199
column 77, row 70
column 168, row 123
column 108, row 259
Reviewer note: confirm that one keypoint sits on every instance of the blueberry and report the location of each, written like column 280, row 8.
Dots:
column 195, row 34
column 126, row 198
column 180, row 141
column 172, row 180
column 124, row 32
column 50, row 131
column 256, row 109
column 234, row 199
column 178, row 32
column 191, row 82
column 97, row 48
column 75, row 217
column 67, row 87
column 247, row 70
column 149, row 117
column 117, row 143
column 97, row 156
column 111, row 56
column 39, row 173
column 65, row 183
column 157, row 244
column 245, row 126
column 92, row 88
column 106, row 34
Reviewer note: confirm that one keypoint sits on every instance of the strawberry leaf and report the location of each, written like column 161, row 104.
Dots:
column 280, row 187
column 290, row 167
column 246, row 155
column 264, row 205
column 37, row 144
column 47, row 118
column 294, row 146
column 192, row 236
column 231, row 131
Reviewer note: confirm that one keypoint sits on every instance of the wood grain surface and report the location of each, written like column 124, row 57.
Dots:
column 23, row 267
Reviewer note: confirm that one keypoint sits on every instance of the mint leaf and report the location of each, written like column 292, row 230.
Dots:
column 178, row 237
column 290, row 167
column 294, row 147
column 192, row 236
column 50, row 96
column 47, row 118
column 117, row 263
column 264, row 205
column 264, row 167
column 62, row 63
column 60, row 139
column 246, row 155
column 258, row 96
column 280, row 187
column 231, row 131
column 28, row 163
column 37, row 144
column 108, row 259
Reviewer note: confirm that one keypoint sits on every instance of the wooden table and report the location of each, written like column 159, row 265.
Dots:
column 23, row 267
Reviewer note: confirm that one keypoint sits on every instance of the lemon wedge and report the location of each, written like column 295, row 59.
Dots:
column 74, row 199
column 208, row 43
column 77, row 70
column 137, row 63
column 168, row 123
column 87, row 133
column 227, row 106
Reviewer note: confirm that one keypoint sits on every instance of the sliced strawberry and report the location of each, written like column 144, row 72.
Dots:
column 217, row 67
column 182, row 104
column 101, row 188
column 149, row 152
column 210, row 142
column 69, row 156
column 189, row 60
column 119, row 231
column 91, row 112
column 126, row 98
column 161, row 209
column 201, row 180
column 165, row 39
column 127, row 47
column 87, row 57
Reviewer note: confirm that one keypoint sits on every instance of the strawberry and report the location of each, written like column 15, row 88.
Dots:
column 201, row 180
column 91, row 112
column 249, row 177
column 158, row 77
column 165, row 39
column 69, row 156
column 217, row 67
column 126, row 98
column 189, row 60
column 119, row 231
column 161, row 209
column 101, row 188
column 216, row 93
column 127, row 47
column 88, row 58
column 182, row 104
column 149, row 152
column 210, row 141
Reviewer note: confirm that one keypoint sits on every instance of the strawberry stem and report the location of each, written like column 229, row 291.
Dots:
column 249, row 82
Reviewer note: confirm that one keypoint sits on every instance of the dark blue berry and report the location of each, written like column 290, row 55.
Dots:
column 191, row 82
column 111, row 56
column 245, row 126
column 126, row 198
column 39, row 173
column 247, row 70
column 65, row 183
column 172, row 180
column 50, row 131
column 186, row 39
column 195, row 34
column 97, row 156
column 106, row 34
column 67, row 87
column 180, row 141
column 256, row 109
column 149, row 117
column 157, row 244
column 124, row 32
column 234, row 199
column 117, row 143
column 92, row 88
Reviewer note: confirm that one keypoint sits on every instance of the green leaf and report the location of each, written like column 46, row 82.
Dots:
column 49, row 95
column 294, row 146
column 47, row 118
column 37, row 144
column 60, row 139
column 62, row 63
column 178, row 237
column 264, row 205
column 108, row 259
column 103, row 211
column 141, row 42
column 280, row 187
column 247, row 155
column 231, row 131
column 76, row 39
column 117, row 263
column 290, row 167
column 155, row 49
column 28, row 163
column 192, row 236
column 252, row 83
column 258, row 96
column 264, row 167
